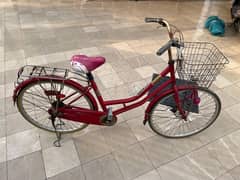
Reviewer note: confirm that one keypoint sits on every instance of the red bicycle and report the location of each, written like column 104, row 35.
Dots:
column 61, row 100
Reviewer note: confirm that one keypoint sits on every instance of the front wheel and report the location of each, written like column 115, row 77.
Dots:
column 166, row 120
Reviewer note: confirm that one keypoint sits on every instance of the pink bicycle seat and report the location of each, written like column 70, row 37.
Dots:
column 85, row 63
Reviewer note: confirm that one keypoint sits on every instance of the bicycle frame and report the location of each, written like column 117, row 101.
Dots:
column 96, row 117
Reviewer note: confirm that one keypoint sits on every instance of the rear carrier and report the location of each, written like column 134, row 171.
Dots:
column 31, row 71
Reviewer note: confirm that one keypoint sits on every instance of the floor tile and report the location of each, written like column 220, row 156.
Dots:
column 36, row 60
column 22, row 143
column 2, row 78
column 9, row 89
column 55, row 57
column 233, row 91
column 231, row 143
column 119, row 136
column 9, row 107
column 111, row 80
column 146, row 71
column 90, row 29
column 221, row 151
column 72, row 174
column 133, row 113
column 16, row 123
column 133, row 161
column 233, row 112
column 48, row 138
column 222, row 82
column 27, row 167
column 2, row 66
column 203, row 159
column 177, row 170
column 232, row 75
column 129, row 76
column 140, row 131
column 103, row 168
column 118, row 92
column 186, row 145
column 3, row 171
column 3, row 150
column 2, row 127
column 14, row 64
column 159, row 150
column 138, row 61
column 91, row 146
column 58, row 160
column 152, row 175
column 10, row 76
column 2, row 91
column 91, row 51
column 225, row 176
column 124, row 49
column 226, row 99
column 233, row 63
column 235, row 173
column 105, row 69
column 223, row 125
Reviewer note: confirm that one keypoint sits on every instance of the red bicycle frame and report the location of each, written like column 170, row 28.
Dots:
column 97, row 117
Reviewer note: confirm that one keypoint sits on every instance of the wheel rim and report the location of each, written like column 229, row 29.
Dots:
column 34, row 105
column 170, row 124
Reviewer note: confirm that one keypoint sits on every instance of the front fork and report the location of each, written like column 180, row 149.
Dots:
column 179, row 104
column 193, row 98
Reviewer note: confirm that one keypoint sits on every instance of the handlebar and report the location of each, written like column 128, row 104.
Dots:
column 162, row 22
column 172, row 42
column 164, row 48
column 154, row 20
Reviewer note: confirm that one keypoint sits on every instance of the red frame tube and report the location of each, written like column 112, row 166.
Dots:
column 172, row 80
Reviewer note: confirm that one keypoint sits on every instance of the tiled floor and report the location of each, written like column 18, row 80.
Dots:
column 47, row 32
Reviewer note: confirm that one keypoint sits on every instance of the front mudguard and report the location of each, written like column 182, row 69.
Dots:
column 157, row 98
column 25, row 83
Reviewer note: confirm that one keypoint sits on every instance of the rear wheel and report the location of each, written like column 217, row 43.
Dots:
column 35, row 100
column 166, row 120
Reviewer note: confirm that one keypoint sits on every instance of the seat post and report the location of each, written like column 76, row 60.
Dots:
column 96, row 90
column 90, row 76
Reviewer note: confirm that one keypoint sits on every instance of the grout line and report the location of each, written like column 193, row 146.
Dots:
column 205, row 10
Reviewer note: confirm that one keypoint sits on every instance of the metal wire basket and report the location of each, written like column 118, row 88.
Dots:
column 200, row 62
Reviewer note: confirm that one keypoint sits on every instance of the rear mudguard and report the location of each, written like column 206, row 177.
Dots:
column 25, row 83
column 157, row 98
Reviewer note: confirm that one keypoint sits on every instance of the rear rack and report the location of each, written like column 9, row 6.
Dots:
column 31, row 71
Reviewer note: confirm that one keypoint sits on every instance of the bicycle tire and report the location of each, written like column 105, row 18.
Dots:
column 161, row 123
column 66, row 126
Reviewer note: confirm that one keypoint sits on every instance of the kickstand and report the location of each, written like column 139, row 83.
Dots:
column 57, row 142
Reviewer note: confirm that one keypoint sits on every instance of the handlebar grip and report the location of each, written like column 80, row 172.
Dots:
column 164, row 48
column 155, row 20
